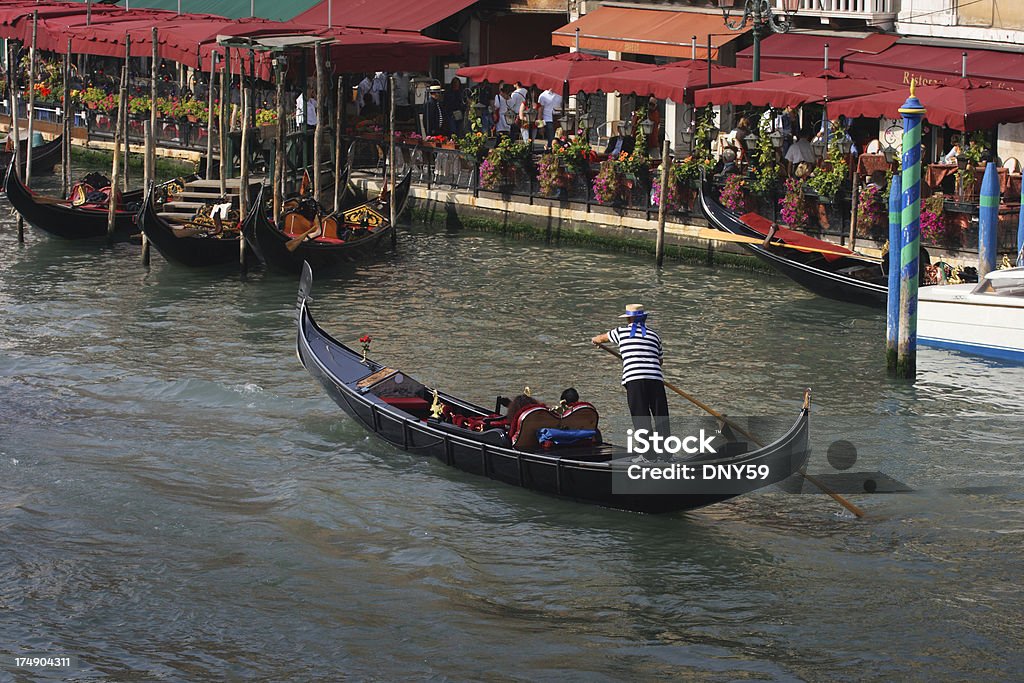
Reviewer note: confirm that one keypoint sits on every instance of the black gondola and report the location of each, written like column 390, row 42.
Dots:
column 269, row 242
column 843, row 275
column 44, row 156
column 60, row 218
column 398, row 409
column 197, row 250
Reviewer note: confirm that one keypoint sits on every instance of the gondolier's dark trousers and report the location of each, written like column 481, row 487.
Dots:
column 646, row 399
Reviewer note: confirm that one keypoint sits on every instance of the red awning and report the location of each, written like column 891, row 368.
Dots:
column 394, row 15
column 965, row 106
column 793, row 91
column 797, row 54
column 647, row 32
column 928, row 65
column 548, row 72
column 676, row 82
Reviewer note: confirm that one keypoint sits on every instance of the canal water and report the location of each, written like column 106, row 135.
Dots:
column 180, row 501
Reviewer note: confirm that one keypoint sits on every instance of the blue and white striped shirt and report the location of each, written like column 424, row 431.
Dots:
column 641, row 354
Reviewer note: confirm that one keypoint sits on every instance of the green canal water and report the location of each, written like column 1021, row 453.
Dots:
column 180, row 501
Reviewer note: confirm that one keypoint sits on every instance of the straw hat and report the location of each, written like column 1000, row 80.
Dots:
column 435, row 88
column 634, row 310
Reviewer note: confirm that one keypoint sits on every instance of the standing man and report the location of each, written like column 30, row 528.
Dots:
column 642, row 357
column 402, row 88
column 516, row 102
column 305, row 116
column 433, row 116
column 549, row 100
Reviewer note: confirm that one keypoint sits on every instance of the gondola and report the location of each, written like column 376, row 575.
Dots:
column 197, row 250
column 60, row 218
column 44, row 156
column 269, row 242
column 401, row 411
column 842, row 275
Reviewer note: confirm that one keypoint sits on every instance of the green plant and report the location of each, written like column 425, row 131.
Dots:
column 471, row 144
column 552, row 173
column 138, row 105
column 829, row 177
column 767, row 170
column 793, row 205
column 733, row 195
column 972, row 153
column 610, row 183
column 501, row 162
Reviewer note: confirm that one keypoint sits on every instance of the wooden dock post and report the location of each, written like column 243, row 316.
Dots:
column 988, row 221
column 211, row 88
column 280, row 173
column 243, row 188
column 659, row 244
column 154, row 77
column 31, row 98
column 1020, row 229
column 147, row 186
column 910, row 246
column 223, row 123
column 340, row 95
column 12, row 58
column 122, row 119
column 318, row 131
column 892, row 314
column 65, row 148
column 115, row 171
column 391, row 160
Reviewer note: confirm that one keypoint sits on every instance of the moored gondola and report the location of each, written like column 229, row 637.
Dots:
column 61, row 218
column 822, row 267
column 44, row 156
column 350, row 235
column 188, row 245
column 423, row 421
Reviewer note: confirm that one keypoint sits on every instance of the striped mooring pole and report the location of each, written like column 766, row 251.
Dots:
column 1020, row 229
column 892, row 317
column 988, row 221
column 910, row 246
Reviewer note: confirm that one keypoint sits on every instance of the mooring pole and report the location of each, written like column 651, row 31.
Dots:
column 31, row 98
column 910, row 246
column 318, row 131
column 243, row 190
column 122, row 119
column 147, row 187
column 892, row 314
column 392, row 204
column 223, row 123
column 65, row 148
column 988, row 221
column 1020, row 228
column 115, row 171
column 15, row 132
column 337, row 145
column 211, row 88
column 659, row 245
column 154, row 77
column 280, row 172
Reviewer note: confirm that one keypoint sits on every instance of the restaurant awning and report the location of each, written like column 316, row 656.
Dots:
column 676, row 82
column 664, row 33
column 887, row 58
column 963, row 105
column 393, row 15
column 793, row 91
column 548, row 72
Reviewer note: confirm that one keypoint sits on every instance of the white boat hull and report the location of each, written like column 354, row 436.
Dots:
column 954, row 317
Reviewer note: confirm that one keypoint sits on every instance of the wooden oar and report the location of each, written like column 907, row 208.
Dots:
column 722, row 236
column 292, row 245
column 714, row 413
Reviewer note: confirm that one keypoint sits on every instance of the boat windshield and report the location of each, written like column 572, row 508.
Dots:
column 1008, row 282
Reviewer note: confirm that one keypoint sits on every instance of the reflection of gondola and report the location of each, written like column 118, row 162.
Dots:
column 398, row 409
column 188, row 246
column 350, row 235
column 842, row 274
column 62, row 219
column 44, row 156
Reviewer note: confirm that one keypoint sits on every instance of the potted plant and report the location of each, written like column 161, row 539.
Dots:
column 872, row 212
column 498, row 169
column 734, row 193
column 471, row 144
column 610, row 183
column 793, row 205
column 552, row 175
column 92, row 97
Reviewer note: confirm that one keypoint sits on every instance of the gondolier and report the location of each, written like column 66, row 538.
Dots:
column 642, row 358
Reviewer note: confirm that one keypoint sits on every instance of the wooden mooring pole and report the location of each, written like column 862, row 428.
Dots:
column 12, row 59
column 65, row 148
column 659, row 244
column 115, row 171
column 31, row 99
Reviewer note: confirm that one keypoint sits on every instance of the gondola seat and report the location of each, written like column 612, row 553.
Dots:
column 528, row 422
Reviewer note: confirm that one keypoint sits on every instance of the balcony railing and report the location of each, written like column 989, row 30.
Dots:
column 845, row 9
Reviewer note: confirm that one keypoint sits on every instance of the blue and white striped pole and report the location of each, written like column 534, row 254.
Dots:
column 910, row 246
column 892, row 317
column 988, row 221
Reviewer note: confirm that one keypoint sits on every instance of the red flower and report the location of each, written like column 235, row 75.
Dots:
column 365, row 339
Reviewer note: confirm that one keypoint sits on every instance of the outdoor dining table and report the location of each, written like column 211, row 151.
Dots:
column 869, row 163
column 934, row 174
